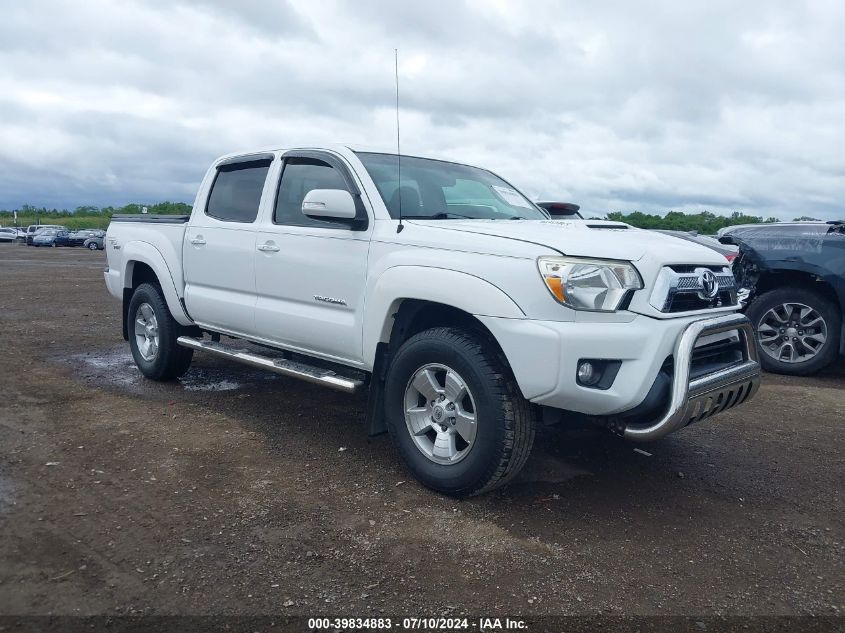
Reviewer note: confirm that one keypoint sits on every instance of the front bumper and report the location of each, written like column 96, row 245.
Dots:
column 544, row 356
column 694, row 400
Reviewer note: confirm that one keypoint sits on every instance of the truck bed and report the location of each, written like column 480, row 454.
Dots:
column 154, row 239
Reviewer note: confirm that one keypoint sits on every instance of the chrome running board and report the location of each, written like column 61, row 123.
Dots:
column 283, row 366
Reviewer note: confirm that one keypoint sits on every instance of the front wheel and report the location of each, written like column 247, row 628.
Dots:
column 798, row 330
column 152, row 336
column 92, row 246
column 455, row 412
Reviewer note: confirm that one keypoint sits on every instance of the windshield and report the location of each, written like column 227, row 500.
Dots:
column 439, row 190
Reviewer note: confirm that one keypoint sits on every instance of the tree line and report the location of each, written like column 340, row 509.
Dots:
column 86, row 217
column 705, row 222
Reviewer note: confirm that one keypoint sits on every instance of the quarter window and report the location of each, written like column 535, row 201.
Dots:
column 300, row 176
column 236, row 192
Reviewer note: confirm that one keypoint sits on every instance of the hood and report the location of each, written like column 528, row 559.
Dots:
column 601, row 239
column 818, row 250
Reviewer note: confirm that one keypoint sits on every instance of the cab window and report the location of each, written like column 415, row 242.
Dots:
column 301, row 175
column 236, row 192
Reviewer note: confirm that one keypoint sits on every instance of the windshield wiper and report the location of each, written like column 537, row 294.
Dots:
column 443, row 215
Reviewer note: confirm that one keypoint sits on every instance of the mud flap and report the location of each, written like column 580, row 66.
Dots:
column 375, row 422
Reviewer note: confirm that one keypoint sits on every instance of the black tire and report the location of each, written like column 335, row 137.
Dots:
column 171, row 360
column 93, row 247
column 506, row 422
column 828, row 311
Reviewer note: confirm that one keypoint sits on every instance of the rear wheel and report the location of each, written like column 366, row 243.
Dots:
column 798, row 330
column 152, row 336
column 92, row 246
column 455, row 413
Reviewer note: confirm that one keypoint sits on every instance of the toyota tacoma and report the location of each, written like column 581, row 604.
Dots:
column 468, row 314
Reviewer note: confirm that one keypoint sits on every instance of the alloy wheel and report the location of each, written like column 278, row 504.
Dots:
column 146, row 332
column 440, row 414
column 792, row 332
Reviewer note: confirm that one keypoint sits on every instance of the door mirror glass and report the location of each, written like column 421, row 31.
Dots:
column 329, row 204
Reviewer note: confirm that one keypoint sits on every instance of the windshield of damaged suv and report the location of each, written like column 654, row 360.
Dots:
column 439, row 190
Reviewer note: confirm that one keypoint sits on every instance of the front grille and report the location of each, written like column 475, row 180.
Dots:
column 691, row 288
column 685, row 302
column 710, row 358
column 714, row 357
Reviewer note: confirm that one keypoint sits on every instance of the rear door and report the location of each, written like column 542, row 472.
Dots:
column 310, row 274
column 219, row 247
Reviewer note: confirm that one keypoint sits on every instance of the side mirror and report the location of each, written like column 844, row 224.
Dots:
column 330, row 204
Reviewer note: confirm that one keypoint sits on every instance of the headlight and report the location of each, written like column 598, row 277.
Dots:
column 589, row 284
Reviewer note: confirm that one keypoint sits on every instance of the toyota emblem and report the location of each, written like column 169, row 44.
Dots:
column 709, row 284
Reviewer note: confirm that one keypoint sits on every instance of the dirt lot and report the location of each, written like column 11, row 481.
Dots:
column 237, row 492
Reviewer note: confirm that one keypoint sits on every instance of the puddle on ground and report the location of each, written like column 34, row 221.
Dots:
column 544, row 468
column 118, row 368
column 113, row 366
column 7, row 495
column 202, row 380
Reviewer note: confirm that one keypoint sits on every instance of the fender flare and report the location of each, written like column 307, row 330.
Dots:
column 146, row 253
column 464, row 291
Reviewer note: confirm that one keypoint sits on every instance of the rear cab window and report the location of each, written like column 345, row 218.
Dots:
column 236, row 192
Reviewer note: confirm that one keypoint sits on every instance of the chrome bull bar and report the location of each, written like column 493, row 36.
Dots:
column 692, row 401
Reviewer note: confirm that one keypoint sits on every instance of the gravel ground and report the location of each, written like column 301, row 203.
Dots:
column 237, row 492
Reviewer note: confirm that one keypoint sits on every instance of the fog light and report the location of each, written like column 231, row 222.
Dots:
column 587, row 373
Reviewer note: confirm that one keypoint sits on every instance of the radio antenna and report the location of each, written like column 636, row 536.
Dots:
column 398, row 150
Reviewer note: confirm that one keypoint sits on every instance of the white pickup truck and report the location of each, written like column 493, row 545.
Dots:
column 467, row 312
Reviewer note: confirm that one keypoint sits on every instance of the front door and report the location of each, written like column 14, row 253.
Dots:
column 310, row 274
column 219, row 249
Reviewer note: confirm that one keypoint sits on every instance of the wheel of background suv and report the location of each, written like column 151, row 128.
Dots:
column 92, row 246
column 152, row 336
column 455, row 413
column 798, row 330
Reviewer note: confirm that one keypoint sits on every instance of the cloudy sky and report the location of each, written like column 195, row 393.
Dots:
column 718, row 105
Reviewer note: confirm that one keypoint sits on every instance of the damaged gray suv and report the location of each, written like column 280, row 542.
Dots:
column 792, row 278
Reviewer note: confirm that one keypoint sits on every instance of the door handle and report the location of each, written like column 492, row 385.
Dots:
column 198, row 240
column 269, row 248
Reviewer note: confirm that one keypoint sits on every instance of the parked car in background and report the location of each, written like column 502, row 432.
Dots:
column 561, row 210
column 727, row 230
column 72, row 238
column 95, row 243
column 45, row 237
column 728, row 250
column 8, row 235
column 33, row 229
column 792, row 280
